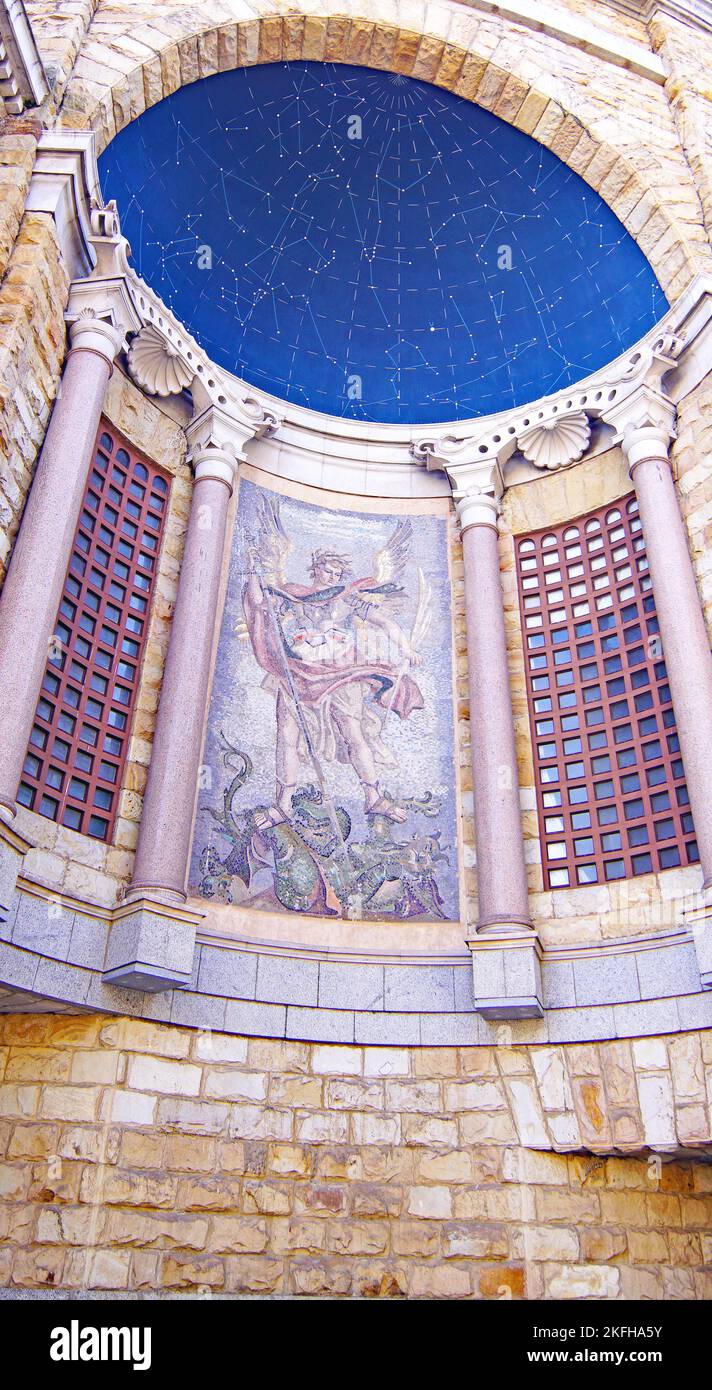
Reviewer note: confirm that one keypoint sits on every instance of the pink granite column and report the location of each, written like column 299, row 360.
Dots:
column 33, row 587
column 501, row 874
column 167, row 816
column 685, row 641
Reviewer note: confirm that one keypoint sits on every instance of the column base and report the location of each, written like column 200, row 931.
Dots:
column 12, row 851
column 155, row 893
column 699, row 919
column 506, row 969
column 151, row 946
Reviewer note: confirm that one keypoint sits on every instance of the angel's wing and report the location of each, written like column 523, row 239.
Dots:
column 389, row 562
column 424, row 613
column 272, row 544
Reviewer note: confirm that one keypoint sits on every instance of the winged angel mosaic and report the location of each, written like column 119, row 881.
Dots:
column 339, row 668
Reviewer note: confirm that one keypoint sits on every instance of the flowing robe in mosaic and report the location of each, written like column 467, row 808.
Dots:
column 306, row 639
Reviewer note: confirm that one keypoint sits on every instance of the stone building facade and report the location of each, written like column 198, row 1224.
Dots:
column 485, row 1082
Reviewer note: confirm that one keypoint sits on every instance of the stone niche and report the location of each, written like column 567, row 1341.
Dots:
column 329, row 786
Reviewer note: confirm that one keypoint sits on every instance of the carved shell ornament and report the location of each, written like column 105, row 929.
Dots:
column 156, row 366
column 557, row 442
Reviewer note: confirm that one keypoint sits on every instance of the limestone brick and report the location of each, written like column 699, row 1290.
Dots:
column 106, row 1186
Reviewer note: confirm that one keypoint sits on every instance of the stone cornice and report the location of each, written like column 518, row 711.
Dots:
column 681, row 345
column 65, row 184
column 164, row 357
column 23, row 80
column 554, row 433
column 582, row 32
column 618, row 999
column 696, row 14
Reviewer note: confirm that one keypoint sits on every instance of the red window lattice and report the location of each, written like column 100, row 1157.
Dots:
column 78, row 745
column 611, row 793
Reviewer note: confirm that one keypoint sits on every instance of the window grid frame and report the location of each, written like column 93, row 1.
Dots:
column 69, row 696
column 672, row 779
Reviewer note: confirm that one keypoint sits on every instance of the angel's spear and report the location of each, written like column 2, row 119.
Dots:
column 313, row 755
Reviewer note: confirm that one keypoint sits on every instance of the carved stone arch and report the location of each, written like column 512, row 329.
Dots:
column 451, row 53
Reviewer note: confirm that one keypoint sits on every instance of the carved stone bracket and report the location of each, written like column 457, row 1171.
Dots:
column 555, row 432
column 228, row 431
column 156, row 365
column 475, row 474
column 557, row 442
column 104, row 293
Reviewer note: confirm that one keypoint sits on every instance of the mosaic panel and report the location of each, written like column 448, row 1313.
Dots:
column 328, row 784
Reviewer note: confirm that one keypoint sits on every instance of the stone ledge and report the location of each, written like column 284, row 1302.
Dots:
column 28, row 974
column 52, row 950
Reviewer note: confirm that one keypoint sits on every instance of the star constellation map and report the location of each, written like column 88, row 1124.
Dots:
column 373, row 247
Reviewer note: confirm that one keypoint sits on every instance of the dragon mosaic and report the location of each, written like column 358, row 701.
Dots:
column 316, row 866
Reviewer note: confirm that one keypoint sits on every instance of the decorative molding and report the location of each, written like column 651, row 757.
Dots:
column 9, row 89
column 65, row 185
column 229, row 430
column 352, row 456
column 23, row 80
column 156, row 365
column 104, row 294
column 558, row 442
column 695, row 13
column 584, row 34
column 491, row 437
column 555, row 432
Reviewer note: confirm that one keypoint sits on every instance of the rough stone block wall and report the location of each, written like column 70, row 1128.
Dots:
column 612, row 125
column 33, row 294
column 144, row 1157
column 689, row 91
column 59, row 30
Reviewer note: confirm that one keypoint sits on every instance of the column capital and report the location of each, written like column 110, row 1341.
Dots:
column 647, row 439
column 474, row 470
column 229, row 428
column 477, row 506
column 644, row 424
column 217, row 465
column 90, row 333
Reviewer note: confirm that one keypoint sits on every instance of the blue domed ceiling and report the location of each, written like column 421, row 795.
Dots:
column 374, row 247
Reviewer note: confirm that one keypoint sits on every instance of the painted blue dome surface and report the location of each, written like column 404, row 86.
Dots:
column 373, row 247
